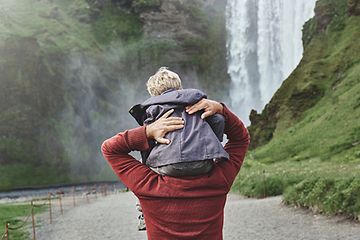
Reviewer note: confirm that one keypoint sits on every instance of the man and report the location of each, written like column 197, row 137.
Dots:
column 186, row 207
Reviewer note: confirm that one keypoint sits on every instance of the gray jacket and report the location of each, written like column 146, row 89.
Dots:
column 198, row 140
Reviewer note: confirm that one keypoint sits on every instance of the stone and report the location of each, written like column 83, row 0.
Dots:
column 353, row 7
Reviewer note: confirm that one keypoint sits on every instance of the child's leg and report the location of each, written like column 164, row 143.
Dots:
column 138, row 206
column 141, row 223
column 194, row 168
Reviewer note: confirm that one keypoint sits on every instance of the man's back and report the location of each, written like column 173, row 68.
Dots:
column 188, row 207
column 179, row 208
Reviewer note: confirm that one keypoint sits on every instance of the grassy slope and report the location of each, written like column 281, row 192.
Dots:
column 15, row 214
column 51, row 23
column 315, row 158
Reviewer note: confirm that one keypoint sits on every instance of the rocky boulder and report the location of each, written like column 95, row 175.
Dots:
column 324, row 12
column 354, row 7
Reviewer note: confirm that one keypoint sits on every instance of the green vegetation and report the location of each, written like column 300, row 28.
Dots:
column 313, row 154
column 15, row 215
column 28, row 174
column 116, row 24
column 337, row 186
column 49, row 22
column 328, row 195
column 64, row 65
column 208, row 48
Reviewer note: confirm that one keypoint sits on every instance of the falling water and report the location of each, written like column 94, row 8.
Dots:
column 264, row 46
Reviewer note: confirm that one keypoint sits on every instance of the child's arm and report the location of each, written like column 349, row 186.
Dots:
column 235, row 130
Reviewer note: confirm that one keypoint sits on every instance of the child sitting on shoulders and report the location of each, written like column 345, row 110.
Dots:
column 192, row 150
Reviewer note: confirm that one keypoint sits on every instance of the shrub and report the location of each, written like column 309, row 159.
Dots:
column 330, row 196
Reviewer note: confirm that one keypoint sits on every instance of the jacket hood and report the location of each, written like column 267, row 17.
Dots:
column 177, row 97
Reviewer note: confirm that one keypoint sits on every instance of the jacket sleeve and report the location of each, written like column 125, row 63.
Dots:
column 236, row 147
column 217, row 124
column 116, row 151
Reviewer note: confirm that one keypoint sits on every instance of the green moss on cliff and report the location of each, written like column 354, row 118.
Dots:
column 116, row 24
column 315, row 118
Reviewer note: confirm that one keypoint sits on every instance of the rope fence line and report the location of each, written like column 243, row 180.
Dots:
column 20, row 226
column 50, row 201
column 4, row 234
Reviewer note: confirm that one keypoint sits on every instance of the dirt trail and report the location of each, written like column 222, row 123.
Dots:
column 114, row 217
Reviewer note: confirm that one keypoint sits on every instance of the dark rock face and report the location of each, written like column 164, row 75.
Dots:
column 301, row 100
column 196, row 30
column 354, row 7
column 30, row 95
column 262, row 126
column 324, row 13
column 63, row 91
column 171, row 21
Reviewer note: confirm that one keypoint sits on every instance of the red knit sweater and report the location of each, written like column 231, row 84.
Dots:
column 179, row 208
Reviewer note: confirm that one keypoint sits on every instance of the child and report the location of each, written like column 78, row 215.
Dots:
column 192, row 150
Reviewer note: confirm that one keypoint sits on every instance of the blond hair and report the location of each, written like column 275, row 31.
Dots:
column 163, row 80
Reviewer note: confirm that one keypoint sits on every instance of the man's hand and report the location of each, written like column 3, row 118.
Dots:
column 158, row 129
column 210, row 108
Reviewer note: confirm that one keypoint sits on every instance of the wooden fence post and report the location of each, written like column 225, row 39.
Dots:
column 33, row 220
column 73, row 191
column 50, row 212
column 87, row 192
column 61, row 208
column 264, row 184
column 6, row 231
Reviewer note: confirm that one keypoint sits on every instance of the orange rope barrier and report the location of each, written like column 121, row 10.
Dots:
column 50, row 212
column 21, row 226
column 7, row 231
column 47, row 201
column 73, row 197
column 5, row 235
column 61, row 208
column 33, row 220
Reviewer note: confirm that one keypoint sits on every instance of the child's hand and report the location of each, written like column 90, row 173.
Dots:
column 158, row 129
column 210, row 108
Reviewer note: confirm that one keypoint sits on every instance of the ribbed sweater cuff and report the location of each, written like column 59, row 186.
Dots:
column 137, row 139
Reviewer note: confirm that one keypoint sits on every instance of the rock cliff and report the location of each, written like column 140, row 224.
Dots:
column 329, row 58
column 70, row 70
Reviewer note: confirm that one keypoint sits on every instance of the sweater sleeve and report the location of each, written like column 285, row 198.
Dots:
column 116, row 151
column 237, row 145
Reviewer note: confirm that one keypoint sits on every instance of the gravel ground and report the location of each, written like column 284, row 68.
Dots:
column 114, row 217
column 265, row 219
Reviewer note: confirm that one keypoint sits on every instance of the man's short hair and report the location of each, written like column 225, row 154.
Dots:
column 163, row 80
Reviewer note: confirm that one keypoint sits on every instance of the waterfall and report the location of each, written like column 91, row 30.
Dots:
column 264, row 45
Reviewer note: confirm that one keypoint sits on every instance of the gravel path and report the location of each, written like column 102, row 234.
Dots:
column 114, row 217
column 265, row 219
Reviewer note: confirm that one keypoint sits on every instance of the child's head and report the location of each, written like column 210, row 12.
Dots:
column 163, row 80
